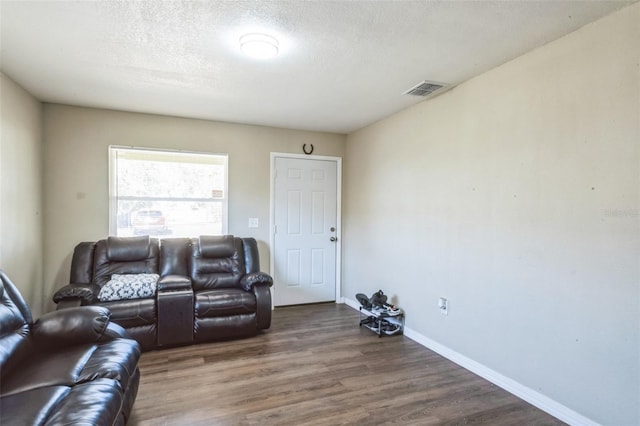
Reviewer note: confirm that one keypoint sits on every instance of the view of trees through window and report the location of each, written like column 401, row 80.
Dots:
column 165, row 193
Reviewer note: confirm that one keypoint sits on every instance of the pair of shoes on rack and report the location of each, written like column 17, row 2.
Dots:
column 389, row 310
column 377, row 301
column 384, row 327
column 389, row 328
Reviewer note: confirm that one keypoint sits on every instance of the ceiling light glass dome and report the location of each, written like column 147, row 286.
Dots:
column 259, row 46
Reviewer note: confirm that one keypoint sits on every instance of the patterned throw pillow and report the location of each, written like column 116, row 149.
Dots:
column 129, row 286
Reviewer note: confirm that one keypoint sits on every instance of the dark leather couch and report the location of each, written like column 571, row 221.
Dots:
column 68, row 367
column 209, row 288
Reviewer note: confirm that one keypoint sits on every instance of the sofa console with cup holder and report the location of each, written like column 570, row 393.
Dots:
column 173, row 291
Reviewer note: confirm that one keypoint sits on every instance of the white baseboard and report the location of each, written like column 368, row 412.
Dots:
column 355, row 305
column 534, row 398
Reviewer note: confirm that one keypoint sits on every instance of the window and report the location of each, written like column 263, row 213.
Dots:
column 166, row 193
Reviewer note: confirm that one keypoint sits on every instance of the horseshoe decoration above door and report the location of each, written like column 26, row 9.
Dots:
column 304, row 149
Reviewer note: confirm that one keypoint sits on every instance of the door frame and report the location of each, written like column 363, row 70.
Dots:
column 272, row 214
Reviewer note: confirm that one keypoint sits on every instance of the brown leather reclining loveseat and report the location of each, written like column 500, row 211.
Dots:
column 68, row 367
column 207, row 288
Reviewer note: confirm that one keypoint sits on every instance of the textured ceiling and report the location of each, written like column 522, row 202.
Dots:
column 342, row 64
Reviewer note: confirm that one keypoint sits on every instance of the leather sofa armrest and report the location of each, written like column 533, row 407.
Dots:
column 262, row 292
column 69, row 303
column 250, row 280
column 174, row 283
column 84, row 324
column 87, row 293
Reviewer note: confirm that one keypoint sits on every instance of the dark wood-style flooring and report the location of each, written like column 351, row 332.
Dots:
column 315, row 366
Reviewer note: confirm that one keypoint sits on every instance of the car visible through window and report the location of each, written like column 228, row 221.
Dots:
column 149, row 222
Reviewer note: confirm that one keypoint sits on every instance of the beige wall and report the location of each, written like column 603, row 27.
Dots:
column 516, row 196
column 76, row 171
column 21, row 191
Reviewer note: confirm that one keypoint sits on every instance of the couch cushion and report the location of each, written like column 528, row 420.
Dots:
column 105, row 267
column 207, row 270
column 223, row 302
column 127, row 249
column 94, row 403
column 31, row 407
column 174, row 256
column 14, row 336
column 145, row 335
column 50, row 368
column 14, row 326
column 218, row 328
column 128, row 286
column 116, row 359
column 213, row 246
column 132, row 313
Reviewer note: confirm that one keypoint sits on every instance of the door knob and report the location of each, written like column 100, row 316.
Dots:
column 333, row 239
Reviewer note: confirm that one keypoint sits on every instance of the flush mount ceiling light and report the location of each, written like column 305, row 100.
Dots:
column 259, row 46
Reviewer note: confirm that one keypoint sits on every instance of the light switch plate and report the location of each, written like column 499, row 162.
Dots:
column 443, row 304
column 253, row 222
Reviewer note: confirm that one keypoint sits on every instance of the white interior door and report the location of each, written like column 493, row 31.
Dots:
column 305, row 230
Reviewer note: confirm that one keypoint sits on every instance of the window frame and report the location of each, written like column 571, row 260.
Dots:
column 113, row 196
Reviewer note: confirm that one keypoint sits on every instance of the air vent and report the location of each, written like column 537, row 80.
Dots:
column 424, row 88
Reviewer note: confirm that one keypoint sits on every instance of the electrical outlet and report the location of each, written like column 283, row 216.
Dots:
column 443, row 304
